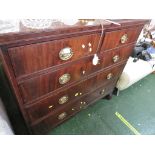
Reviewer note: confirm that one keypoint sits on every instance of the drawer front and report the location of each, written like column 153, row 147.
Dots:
column 109, row 75
column 100, row 92
column 71, row 109
column 118, row 38
column 109, row 58
column 32, row 58
column 115, row 56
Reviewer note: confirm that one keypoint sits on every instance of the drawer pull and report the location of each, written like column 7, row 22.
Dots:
column 124, row 38
column 51, row 106
column 116, row 58
column 109, row 76
column 63, row 99
column 73, row 109
column 64, row 78
column 66, row 53
column 102, row 92
column 62, row 115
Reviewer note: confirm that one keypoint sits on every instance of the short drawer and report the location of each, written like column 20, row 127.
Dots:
column 109, row 75
column 32, row 58
column 71, row 109
column 116, row 55
column 118, row 38
column 106, row 59
column 100, row 92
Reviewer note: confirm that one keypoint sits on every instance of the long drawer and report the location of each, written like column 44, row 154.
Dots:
column 35, row 57
column 117, row 38
column 45, row 84
column 71, row 109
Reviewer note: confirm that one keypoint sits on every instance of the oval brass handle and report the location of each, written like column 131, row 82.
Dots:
column 102, row 92
column 63, row 99
column 124, row 38
column 116, row 58
column 109, row 76
column 66, row 53
column 62, row 115
column 64, row 78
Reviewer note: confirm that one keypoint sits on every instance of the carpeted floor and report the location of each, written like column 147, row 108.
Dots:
column 136, row 104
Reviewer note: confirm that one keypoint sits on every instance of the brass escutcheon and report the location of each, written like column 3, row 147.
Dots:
column 64, row 78
column 63, row 99
column 116, row 58
column 109, row 76
column 124, row 38
column 62, row 115
column 66, row 53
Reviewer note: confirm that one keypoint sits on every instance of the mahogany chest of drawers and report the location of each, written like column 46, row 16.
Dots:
column 51, row 71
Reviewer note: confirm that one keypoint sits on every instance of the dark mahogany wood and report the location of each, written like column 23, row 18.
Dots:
column 113, row 39
column 39, row 86
column 32, row 58
column 31, row 62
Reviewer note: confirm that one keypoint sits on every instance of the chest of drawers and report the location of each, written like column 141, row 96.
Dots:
column 51, row 72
